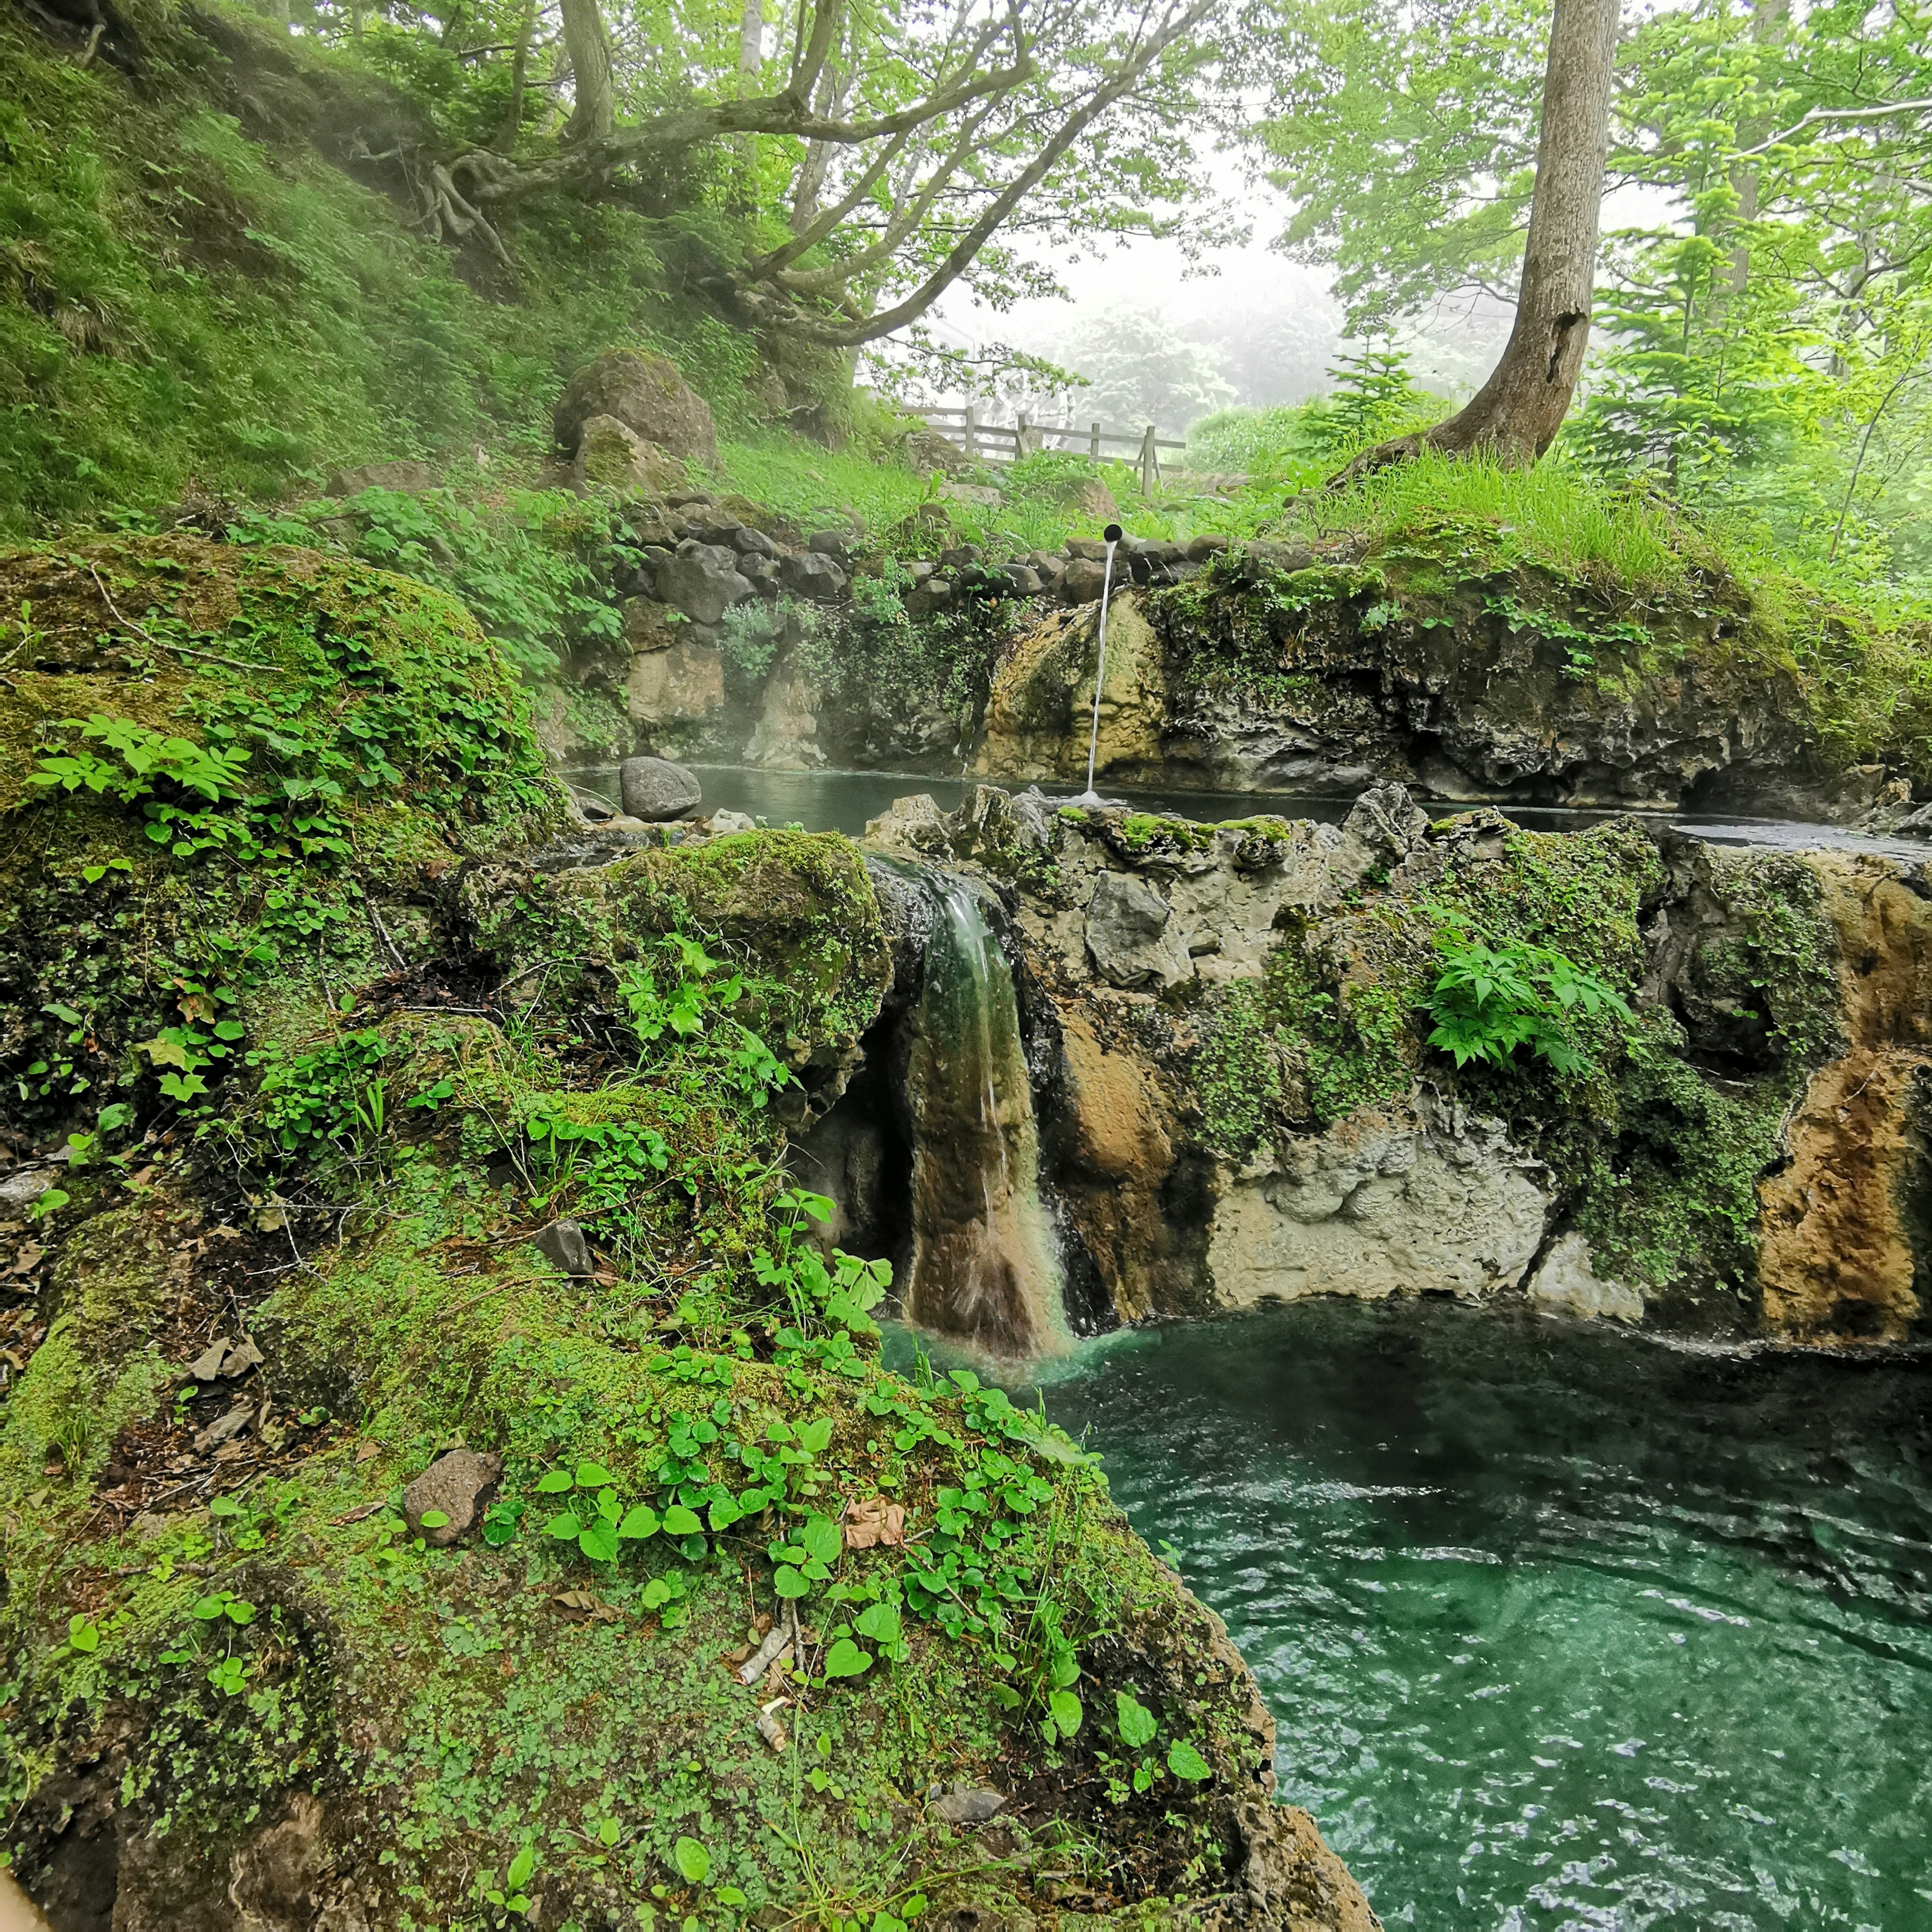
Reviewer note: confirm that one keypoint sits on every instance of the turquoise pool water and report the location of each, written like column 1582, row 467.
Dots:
column 1560, row 1628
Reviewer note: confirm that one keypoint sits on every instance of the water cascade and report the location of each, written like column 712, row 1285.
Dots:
column 984, row 1266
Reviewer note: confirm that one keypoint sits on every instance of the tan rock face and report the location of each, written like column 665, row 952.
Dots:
column 1375, row 1207
column 1038, row 718
column 1113, row 1154
column 1845, row 1222
column 786, row 735
column 683, row 683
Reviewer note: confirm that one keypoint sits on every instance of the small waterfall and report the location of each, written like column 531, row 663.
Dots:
column 985, row 1268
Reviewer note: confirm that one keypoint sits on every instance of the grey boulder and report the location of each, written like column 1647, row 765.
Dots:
column 811, row 575
column 654, row 790
column 1130, row 933
column 703, row 580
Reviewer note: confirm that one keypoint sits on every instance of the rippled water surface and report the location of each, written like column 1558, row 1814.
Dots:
column 1560, row 1629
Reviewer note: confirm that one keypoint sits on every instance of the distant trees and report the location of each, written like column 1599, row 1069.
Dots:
column 1141, row 369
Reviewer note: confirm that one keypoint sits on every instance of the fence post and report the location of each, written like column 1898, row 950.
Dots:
column 1150, row 462
column 1093, row 447
column 972, row 431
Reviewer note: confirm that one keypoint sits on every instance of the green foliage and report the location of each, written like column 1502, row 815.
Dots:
column 1373, row 398
column 1492, row 997
column 1293, row 1050
column 532, row 566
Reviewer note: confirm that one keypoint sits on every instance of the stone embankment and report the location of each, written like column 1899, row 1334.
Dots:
column 1238, row 1103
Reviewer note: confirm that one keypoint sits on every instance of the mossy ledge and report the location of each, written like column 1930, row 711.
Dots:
column 331, row 1007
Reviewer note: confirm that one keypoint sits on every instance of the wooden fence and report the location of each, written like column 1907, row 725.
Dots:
column 1001, row 442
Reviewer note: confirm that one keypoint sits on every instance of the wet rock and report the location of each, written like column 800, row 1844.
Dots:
column 406, row 476
column 1567, row 1283
column 646, row 394
column 1127, row 933
column 563, row 1244
column 458, row 1486
column 703, row 580
column 655, row 790
column 830, row 543
column 969, row 1808
column 615, row 457
column 749, row 542
column 1198, row 550
column 915, row 826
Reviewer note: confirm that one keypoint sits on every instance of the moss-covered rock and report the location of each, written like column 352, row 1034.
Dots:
column 399, row 1115
column 1431, row 660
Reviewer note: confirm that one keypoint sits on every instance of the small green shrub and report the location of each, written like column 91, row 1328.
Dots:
column 1494, row 996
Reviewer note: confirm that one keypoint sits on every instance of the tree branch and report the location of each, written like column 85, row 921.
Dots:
column 1818, row 115
column 1124, row 80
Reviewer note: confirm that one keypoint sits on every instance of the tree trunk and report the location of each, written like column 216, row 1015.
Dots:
column 1767, row 19
column 1515, row 415
column 507, row 136
column 588, row 44
column 751, row 59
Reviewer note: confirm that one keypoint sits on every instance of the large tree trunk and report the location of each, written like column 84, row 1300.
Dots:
column 1515, row 415
column 588, row 44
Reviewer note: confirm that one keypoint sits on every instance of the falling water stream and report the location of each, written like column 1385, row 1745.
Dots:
column 985, row 1269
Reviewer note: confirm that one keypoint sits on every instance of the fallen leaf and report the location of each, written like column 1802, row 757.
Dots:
column 582, row 1606
column 207, row 1365
column 224, row 1427
column 877, row 1524
column 358, row 1515
column 367, row 1452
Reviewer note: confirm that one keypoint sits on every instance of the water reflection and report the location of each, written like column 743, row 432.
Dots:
column 846, row 801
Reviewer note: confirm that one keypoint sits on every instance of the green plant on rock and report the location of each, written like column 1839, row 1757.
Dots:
column 1492, row 997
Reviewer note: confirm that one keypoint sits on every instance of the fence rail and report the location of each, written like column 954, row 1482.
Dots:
column 1002, row 442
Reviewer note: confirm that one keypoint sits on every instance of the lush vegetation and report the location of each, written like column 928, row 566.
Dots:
column 285, row 989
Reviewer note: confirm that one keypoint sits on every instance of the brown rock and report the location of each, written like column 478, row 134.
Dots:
column 459, row 1485
column 682, row 684
column 647, row 395
column 1837, row 1262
